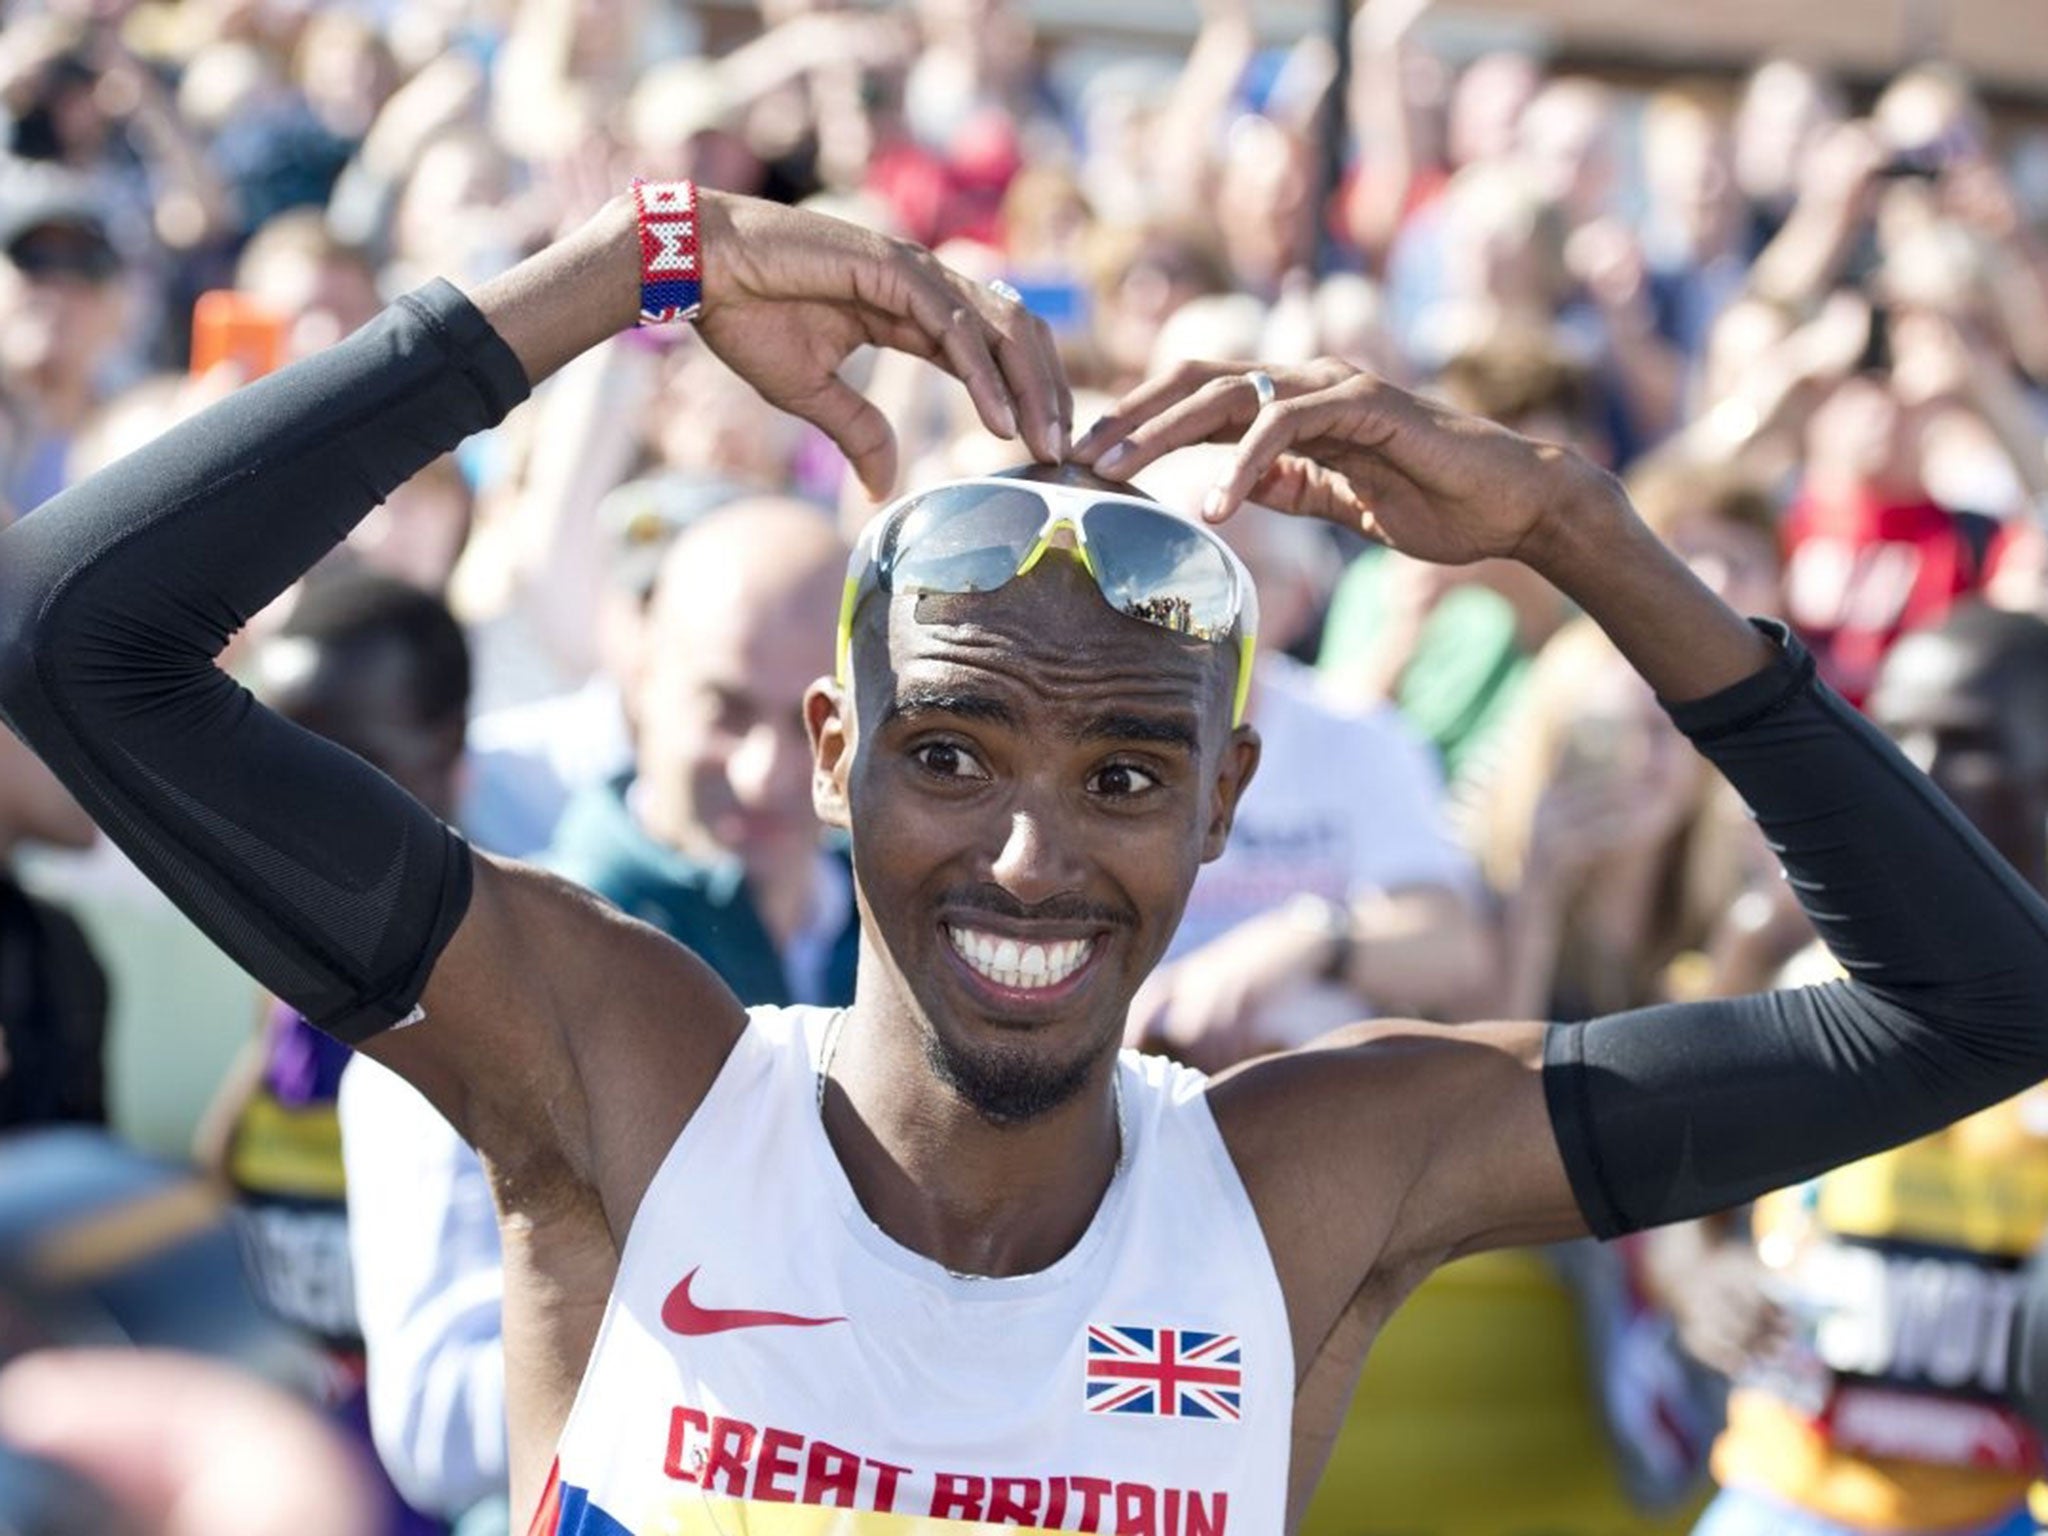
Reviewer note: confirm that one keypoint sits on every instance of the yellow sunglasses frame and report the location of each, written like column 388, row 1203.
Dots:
column 865, row 556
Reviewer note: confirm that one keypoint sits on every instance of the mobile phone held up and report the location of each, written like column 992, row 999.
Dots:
column 239, row 329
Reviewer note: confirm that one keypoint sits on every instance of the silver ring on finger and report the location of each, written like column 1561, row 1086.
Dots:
column 1262, row 386
column 1003, row 290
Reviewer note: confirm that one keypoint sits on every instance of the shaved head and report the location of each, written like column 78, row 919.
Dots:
column 761, row 550
column 873, row 622
column 741, row 624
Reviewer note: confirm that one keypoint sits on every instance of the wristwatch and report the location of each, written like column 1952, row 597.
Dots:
column 1332, row 921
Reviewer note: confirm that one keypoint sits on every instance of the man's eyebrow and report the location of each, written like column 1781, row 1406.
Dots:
column 912, row 703
column 1160, row 730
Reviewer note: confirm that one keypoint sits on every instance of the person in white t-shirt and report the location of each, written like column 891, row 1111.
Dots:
column 430, row 1291
column 1341, row 835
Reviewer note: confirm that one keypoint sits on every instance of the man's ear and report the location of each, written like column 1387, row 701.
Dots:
column 1234, row 770
column 828, row 718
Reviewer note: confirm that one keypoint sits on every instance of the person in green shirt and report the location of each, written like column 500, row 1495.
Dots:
column 711, row 836
column 1450, row 647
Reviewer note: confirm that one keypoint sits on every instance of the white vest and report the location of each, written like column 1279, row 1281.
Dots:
column 771, row 1363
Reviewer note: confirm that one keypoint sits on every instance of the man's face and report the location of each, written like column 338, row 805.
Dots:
column 1863, row 434
column 327, row 298
column 1958, row 721
column 56, row 321
column 720, row 714
column 1032, row 785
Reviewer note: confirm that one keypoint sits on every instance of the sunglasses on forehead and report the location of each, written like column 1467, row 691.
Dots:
column 979, row 535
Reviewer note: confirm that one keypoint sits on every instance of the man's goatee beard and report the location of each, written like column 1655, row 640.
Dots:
column 1004, row 1086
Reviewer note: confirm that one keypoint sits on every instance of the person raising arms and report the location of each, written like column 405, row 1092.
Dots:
column 946, row 1255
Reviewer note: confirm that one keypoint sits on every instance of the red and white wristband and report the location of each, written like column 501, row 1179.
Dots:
column 671, row 265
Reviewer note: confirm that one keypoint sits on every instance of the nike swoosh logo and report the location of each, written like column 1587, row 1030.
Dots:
column 679, row 1314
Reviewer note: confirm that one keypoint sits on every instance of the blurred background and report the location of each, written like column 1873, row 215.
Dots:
column 1784, row 268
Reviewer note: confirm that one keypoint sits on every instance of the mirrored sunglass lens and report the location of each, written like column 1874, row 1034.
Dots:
column 1157, row 568
column 964, row 539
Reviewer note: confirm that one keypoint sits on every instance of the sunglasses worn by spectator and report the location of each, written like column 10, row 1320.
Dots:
column 978, row 535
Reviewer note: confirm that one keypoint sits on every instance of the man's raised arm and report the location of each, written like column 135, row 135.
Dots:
column 316, row 873
column 1673, row 1111
column 326, row 882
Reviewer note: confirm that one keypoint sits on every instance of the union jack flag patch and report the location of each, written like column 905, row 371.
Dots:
column 1165, row 1373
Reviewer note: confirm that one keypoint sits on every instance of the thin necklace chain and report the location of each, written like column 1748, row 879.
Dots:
column 826, row 1052
column 830, row 1048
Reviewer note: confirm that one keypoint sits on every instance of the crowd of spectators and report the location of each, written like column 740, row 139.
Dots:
column 1806, row 323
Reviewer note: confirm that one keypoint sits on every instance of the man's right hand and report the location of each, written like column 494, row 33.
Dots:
column 789, row 295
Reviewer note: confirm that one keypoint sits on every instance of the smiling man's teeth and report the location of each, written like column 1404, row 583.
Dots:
column 1023, row 966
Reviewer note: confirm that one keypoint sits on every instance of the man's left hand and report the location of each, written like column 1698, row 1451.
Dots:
column 1340, row 444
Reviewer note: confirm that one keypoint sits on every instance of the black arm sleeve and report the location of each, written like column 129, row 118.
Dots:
column 1670, row 1112
column 312, row 870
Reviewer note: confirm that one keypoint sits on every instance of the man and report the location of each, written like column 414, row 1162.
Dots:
column 532, row 757
column 1874, row 1387
column 1870, row 552
column 62, row 314
column 1694, row 229
column 889, row 1258
column 712, row 838
column 296, row 266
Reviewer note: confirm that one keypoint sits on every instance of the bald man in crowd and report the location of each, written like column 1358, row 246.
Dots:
column 711, row 837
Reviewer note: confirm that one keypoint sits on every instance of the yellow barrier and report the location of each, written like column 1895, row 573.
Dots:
column 1476, row 1417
